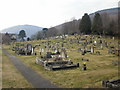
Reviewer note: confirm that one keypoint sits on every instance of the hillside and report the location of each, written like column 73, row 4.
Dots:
column 70, row 27
column 112, row 12
column 29, row 29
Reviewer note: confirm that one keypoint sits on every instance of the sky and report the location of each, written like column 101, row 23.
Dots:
column 48, row 13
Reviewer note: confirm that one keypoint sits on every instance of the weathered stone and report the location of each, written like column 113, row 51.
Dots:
column 83, row 59
column 63, row 53
column 111, row 84
column 97, row 52
column 92, row 49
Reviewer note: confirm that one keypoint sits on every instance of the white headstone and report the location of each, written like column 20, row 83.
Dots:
column 95, row 42
column 113, row 38
column 32, row 50
column 92, row 49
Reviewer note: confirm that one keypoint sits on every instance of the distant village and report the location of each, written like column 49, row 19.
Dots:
column 6, row 38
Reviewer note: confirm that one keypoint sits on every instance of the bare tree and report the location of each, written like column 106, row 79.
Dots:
column 106, row 22
column 52, row 32
column 6, row 39
column 65, row 28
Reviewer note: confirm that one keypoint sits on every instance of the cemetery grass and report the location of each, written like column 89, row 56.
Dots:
column 11, row 77
column 99, row 67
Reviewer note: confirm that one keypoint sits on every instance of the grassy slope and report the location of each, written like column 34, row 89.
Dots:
column 11, row 77
column 99, row 68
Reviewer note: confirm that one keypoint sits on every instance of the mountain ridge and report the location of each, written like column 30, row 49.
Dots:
column 106, row 10
column 29, row 29
column 112, row 12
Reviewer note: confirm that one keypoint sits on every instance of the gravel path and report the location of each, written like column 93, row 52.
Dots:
column 31, row 76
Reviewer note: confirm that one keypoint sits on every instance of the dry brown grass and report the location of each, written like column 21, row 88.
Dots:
column 11, row 77
column 98, row 68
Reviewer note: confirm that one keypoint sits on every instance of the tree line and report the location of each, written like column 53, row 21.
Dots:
column 101, row 24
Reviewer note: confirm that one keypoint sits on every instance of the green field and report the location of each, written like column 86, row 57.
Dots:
column 99, row 67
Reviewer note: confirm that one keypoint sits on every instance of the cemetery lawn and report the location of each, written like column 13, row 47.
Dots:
column 99, row 67
column 11, row 77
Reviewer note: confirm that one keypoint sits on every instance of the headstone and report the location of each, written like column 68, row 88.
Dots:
column 42, row 50
column 48, row 55
column 92, row 49
column 83, row 59
column 83, row 51
column 109, row 51
column 63, row 53
column 113, row 38
column 101, row 46
column 28, row 49
column 100, row 41
column 97, row 52
column 32, row 50
column 95, row 42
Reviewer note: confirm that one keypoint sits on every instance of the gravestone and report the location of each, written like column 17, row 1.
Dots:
column 83, row 51
column 40, row 51
column 101, row 46
column 97, row 52
column 63, row 53
column 57, row 51
column 113, row 38
column 109, row 51
column 95, row 42
column 79, row 50
column 88, row 49
column 33, row 48
column 92, row 49
column 113, row 84
column 28, row 50
column 83, row 59
column 100, row 41
column 48, row 55
column 62, row 45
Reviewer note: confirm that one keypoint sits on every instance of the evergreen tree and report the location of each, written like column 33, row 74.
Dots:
column 45, row 29
column 40, row 35
column 44, row 32
column 28, row 39
column 85, row 24
column 22, row 34
column 97, row 27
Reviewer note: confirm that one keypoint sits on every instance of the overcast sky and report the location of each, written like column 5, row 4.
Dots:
column 47, row 13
